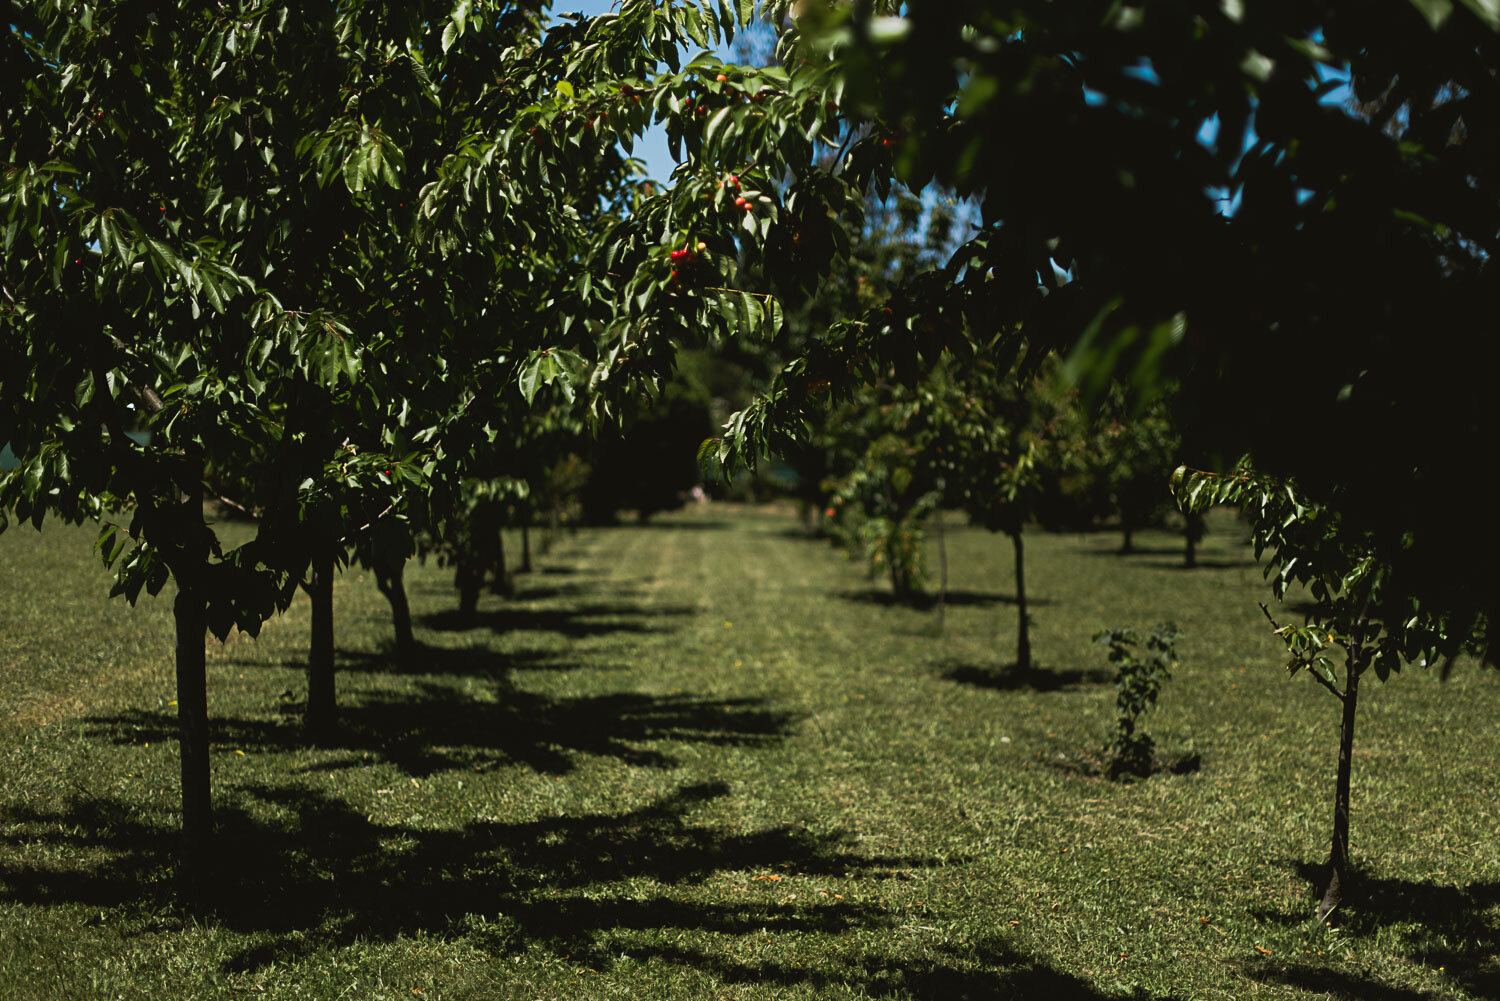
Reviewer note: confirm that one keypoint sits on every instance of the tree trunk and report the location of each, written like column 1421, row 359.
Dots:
column 942, row 542
column 1023, row 636
column 1338, row 858
column 321, row 708
column 554, row 519
column 501, row 582
column 469, row 579
column 390, row 579
column 1127, row 546
column 1193, row 532
column 900, row 582
column 526, row 546
column 192, row 727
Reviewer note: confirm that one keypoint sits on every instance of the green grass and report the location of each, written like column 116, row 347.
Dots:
column 702, row 759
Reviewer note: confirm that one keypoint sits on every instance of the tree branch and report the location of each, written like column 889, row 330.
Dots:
column 1306, row 662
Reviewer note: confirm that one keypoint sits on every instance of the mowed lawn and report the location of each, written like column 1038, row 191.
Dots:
column 705, row 758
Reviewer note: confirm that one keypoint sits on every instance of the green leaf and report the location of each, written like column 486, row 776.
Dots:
column 1487, row 11
column 716, row 124
column 539, row 371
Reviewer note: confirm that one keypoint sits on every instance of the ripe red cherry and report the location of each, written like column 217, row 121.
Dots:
column 722, row 78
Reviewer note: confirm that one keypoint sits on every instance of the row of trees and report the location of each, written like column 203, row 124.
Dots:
column 344, row 264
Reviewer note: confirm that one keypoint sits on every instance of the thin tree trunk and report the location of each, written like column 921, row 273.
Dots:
column 1128, row 545
column 469, row 580
column 900, row 583
column 554, row 518
column 1193, row 531
column 321, row 707
column 192, row 727
column 942, row 542
column 1023, row 635
column 1338, row 859
column 500, row 581
column 526, row 546
column 390, row 579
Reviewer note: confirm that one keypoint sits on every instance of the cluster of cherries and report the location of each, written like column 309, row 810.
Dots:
column 732, row 182
column 686, row 256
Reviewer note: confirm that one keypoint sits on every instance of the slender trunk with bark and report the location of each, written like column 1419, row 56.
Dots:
column 900, row 579
column 942, row 567
column 190, row 615
column 469, row 579
column 1023, row 636
column 192, row 726
column 321, row 708
column 526, row 546
column 390, row 579
column 501, row 581
column 1193, row 532
column 554, row 519
column 1127, row 546
column 1338, row 858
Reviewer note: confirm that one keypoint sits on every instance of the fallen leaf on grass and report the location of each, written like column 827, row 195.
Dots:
column 1264, row 951
column 768, row 876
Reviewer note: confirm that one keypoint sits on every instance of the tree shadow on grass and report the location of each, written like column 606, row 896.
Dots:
column 678, row 524
column 437, row 727
column 1455, row 929
column 1337, row 985
column 426, row 660
column 1134, row 551
column 299, row 872
column 575, row 622
column 303, row 871
column 925, row 601
column 987, row 969
column 1201, row 564
column 1012, row 677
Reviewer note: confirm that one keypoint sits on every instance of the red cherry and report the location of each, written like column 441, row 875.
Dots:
column 741, row 203
column 721, row 78
column 734, row 180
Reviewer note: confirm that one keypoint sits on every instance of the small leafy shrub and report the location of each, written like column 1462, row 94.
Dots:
column 1138, row 680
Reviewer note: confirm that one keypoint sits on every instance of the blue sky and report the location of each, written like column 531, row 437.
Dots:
column 659, row 163
column 652, row 148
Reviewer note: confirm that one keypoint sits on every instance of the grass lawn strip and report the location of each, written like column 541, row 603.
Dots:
column 704, row 758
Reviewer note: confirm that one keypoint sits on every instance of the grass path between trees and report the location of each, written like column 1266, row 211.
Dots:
column 706, row 758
